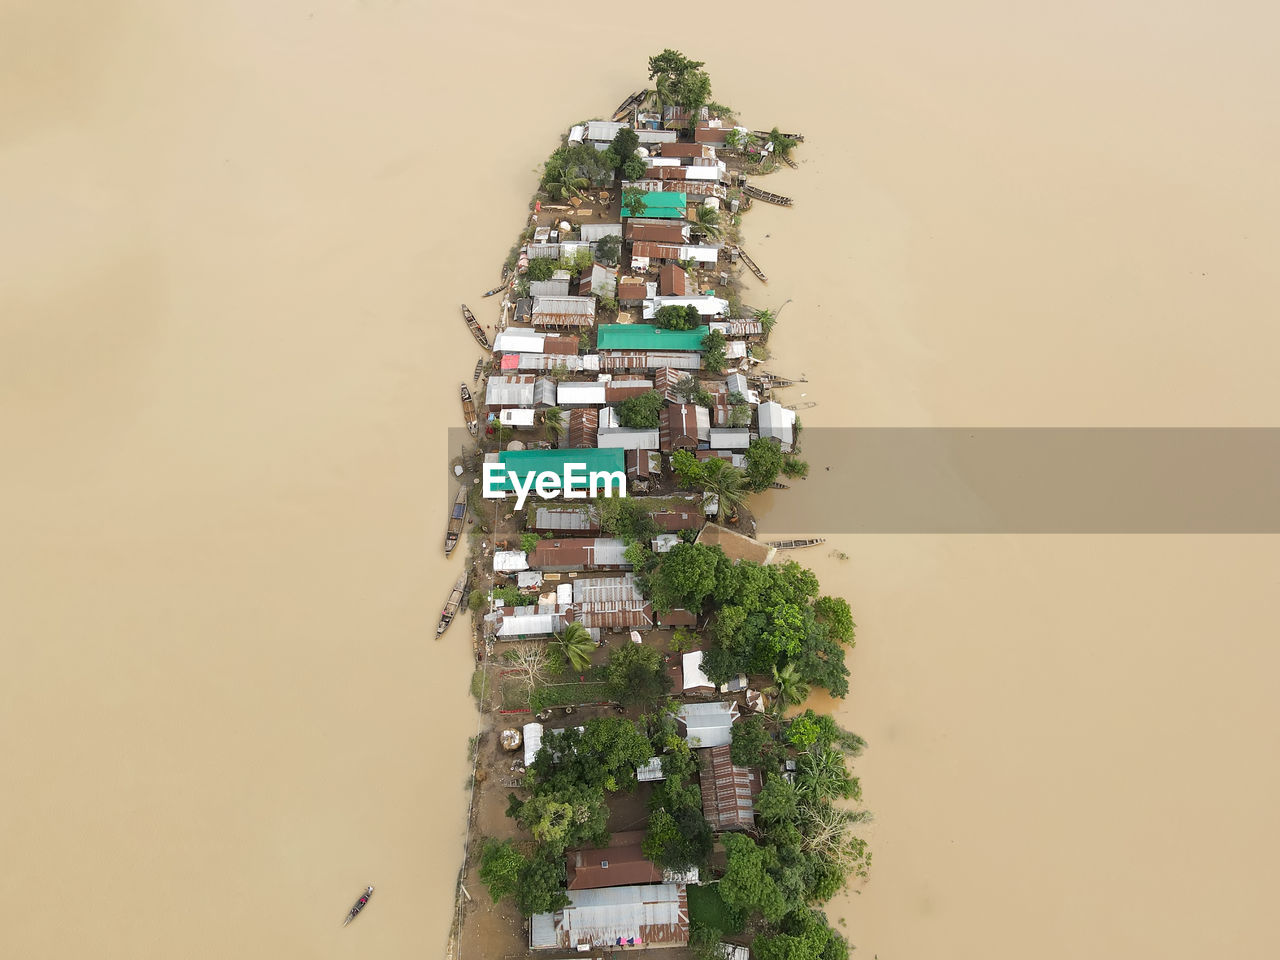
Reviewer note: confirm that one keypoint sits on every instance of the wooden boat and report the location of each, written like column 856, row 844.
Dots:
column 452, row 605
column 498, row 289
column 752, row 266
column 777, row 485
column 475, row 374
column 766, row 134
column 803, row 405
column 474, row 326
column 358, row 906
column 629, row 104
column 796, row 544
column 456, row 521
column 766, row 196
column 469, row 410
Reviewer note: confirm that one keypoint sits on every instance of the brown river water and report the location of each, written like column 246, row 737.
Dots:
column 234, row 238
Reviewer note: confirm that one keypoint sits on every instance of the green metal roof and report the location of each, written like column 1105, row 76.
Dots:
column 662, row 205
column 645, row 336
column 586, row 461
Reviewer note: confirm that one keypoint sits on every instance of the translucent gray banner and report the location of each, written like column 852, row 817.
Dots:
column 1041, row 480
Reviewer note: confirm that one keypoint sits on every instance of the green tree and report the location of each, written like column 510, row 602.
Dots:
column 633, row 200
column 777, row 801
column 834, row 612
column 500, row 867
column 609, row 249
column 678, row 840
column 787, row 688
column 635, row 676
column 675, row 317
column 633, row 168
column 747, row 884
column 529, row 542
column 553, row 424
column 627, row 519
column 576, row 645
column 689, row 470
column 821, row 775
column 624, row 144
column 713, row 355
column 764, row 461
column 604, row 754
column 802, row 935
column 767, row 319
column 752, row 745
column 566, row 818
column 641, row 410
column 541, row 268
column 686, row 577
column 541, row 885
column 782, row 144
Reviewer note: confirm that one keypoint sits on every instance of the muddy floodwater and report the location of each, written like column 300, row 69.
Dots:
column 233, row 238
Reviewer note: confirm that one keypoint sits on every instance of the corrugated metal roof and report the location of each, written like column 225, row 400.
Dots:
column 513, row 391
column 701, row 253
column 728, row 791
column 579, row 392
column 656, row 136
column 537, row 461
column 620, row 388
column 603, row 130
column 580, row 554
column 661, row 204
column 649, row 360
column 664, row 542
column 519, row 340
column 577, row 519
column 694, row 678
column 706, row 306
column 676, row 233
column 509, row 561
column 614, row 614
column 738, row 328
column 691, row 188
column 627, row 438
column 673, row 281
column 516, row 417
column 549, row 288
column 708, row 724
column 730, row 439
column 596, row 231
column 530, row 622
column 544, row 392
column 621, row 862
column 653, row 914
column 598, row 589
column 651, row 771
column 646, row 336
column 583, row 425
column 564, row 311
column 778, row 422
column 569, row 363
column 687, row 150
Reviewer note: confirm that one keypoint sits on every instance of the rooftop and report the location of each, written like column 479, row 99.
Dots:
column 621, row 862
column 662, row 205
column 642, row 915
column 646, row 336
column 526, row 462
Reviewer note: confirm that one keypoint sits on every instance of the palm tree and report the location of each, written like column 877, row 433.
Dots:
column 727, row 483
column 553, row 424
column 709, row 221
column 767, row 319
column 563, row 180
column 576, row 645
column 788, row 688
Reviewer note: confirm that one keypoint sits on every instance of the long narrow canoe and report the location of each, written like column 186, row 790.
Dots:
column 474, row 326
column 358, row 906
column 452, row 605
column 456, row 521
column 469, row 410
column 498, row 289
column 796, row 544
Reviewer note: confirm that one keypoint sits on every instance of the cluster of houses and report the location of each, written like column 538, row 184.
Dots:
column 557, row 355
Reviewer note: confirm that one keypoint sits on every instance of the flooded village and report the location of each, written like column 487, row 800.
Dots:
column 645, row 774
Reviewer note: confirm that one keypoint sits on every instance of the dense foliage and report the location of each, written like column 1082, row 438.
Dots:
column 675, row 317
column 713, row 356
column 641, row 410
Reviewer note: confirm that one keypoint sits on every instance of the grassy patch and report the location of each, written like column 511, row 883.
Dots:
column 568, row 694
column 708, row 911
column 480, row 686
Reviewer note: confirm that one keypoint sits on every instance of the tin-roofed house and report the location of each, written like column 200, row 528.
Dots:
column 615, row 918
column 584, row 423
column 661, row 205
column 564, row 519
column 728, row 790
column 777, row 423
column 634, row 290
column 708, row 724
column 564, row 312
column 673, row 281
column 599, row 281
column 644, row 467
column 682, row 426
column 502, row 392
column 580, row 553
column 706, row 306
column 622, row 862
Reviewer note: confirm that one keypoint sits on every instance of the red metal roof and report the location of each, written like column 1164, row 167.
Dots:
column 619, row 864
column 673, row 281
column 728, row 791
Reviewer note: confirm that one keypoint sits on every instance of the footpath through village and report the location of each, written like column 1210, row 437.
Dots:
column 646, row 774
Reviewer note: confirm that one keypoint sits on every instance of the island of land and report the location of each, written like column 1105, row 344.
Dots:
column 645, row 772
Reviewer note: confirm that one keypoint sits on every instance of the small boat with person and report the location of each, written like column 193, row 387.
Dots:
column 498, row 289
column 469, row 411
column 358, row 906
column 457, row 519
column 474, row 326
column 452, row 605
